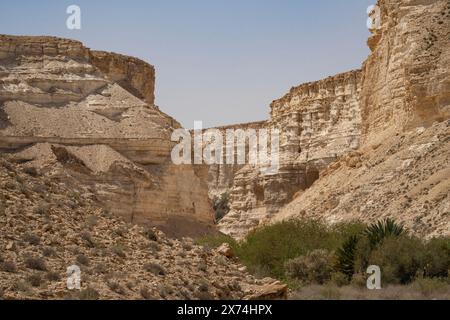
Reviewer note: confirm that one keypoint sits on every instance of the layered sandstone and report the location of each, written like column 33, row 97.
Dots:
column 401, row 169
column 403, row 85
column 406, row 79
column 318, row 122
column 91, row 115
column 48, row 224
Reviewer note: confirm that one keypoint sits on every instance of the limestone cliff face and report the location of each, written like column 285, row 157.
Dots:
column 401, row 169
column 220, row 177
column 318, row 122
column 403, row 85
column 406, row 79
column 89, row 116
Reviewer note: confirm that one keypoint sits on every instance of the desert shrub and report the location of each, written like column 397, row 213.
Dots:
column 91, row 221
column 120, row 231
column 339, row 279
column 314, row 267
column 35, row 280
column 154, row 247
column 32, row 239
column 267, row 249
column 48, row 252
column 32, row 171
column 359, row 280
column 87, row 237
column 118, row 250
column 154, row 268
column 400, row 259
column 437, row 258
column 146, row 294
column 21, row 286
column 215, row 241
column 430, row 286
column 150, row 234
column 53, row 276
column 89, row 294
column 221, row 205
column 116, row 287
column 35, row 263
column 42, row 208
column 83, row 260
column 8, row 266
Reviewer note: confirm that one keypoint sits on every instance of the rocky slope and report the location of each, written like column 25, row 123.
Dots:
column 48, row 224
column 67, row 109
column 407, row 178
column 403, row 85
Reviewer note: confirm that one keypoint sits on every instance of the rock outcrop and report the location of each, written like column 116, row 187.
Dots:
column 406, row 79
column 68, row 110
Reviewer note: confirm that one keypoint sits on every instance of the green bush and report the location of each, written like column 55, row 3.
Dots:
column 284, row 250
column 314, row 267
column 266, row 250
column 437, row 258
column 269, row 248
column 400, row 259
column 403, row 259
column 430, row 286
column 339, row 279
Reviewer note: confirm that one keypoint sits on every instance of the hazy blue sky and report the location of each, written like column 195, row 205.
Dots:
column 220, row 61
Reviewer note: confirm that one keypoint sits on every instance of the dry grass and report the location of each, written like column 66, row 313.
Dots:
column 415, row 291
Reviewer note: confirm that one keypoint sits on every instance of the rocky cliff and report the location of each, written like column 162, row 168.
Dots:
column 403, row 85
column 401, row 168
column 318, row 122
column 89, row 116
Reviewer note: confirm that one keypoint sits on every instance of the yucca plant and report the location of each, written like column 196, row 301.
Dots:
column 346, row 256
column 379, row 231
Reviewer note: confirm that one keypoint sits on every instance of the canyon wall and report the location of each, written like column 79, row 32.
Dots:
column 89, row 116
column 318, row 122
column 403, row 85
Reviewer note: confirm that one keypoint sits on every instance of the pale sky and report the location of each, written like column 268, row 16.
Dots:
column 218, row 61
